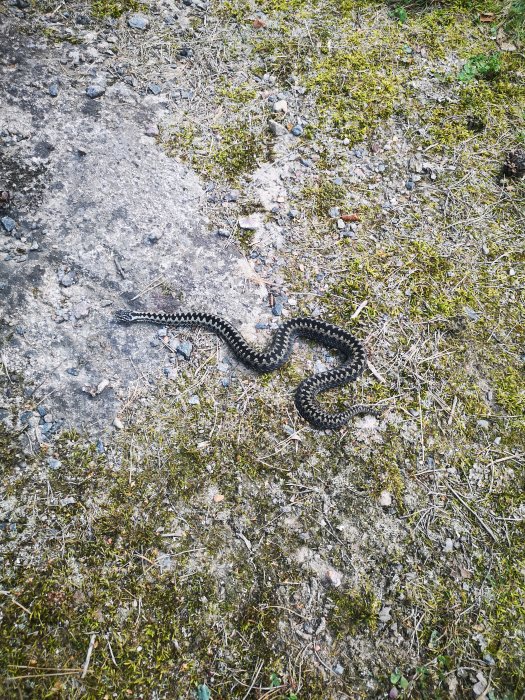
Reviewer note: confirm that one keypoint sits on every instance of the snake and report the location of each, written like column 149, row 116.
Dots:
column 278, row 353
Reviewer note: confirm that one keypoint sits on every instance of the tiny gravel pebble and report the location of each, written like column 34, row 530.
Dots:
column 276, row 128
column 332, row 578
column 385, row 499
column 334, row 212
column 138, row 22
column 194, row 400
column 73, row 371
column 297, row 130
column 280, row 106
column 8, row 223
column 449, row 546
column 277, row 308
column 54, row 463
column 94, row 91
column 410, row 184
column 483, row 423
column 261, row 326
column 184, row 349
column 222, row 232
column 53, row 89
column 154, row 88
column 118, row 423
column 339, row 669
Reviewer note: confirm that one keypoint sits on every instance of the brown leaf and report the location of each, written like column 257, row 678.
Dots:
column 351, row 217
column 258, row 23
column 487, row 17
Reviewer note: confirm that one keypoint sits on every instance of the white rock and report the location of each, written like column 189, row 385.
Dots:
column 385, row 499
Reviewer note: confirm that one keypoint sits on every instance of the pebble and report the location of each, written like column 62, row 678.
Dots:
column 194, row 400
column 332, row 578
column 8, row 223
column 138, row 22
column 297, row 130
column 384, row 614
column 42, row 410
column 319, row 367
column 73, row 371
column 54, row 463
column 184, row 349
column 151, row 130
column 385, row 499
column 449, row 546
column 277, row 308
column 225, row 381
column 162, row 332
column 261, row 326
column 67, row 279
column 276, row 128
column 307, row 162
column 119, row 425
column 249, row 223
column 280, row 106
column 218, row 498
column 338, row 181
column 100, row 447
column 53, row 89
column 410, row 184
column 154, row 88
column 222, row 232
column 94, row 91
column 341, row 224
column 231, row 196
column 334, row 212
column 482, row 423
column 339, row 669
column 293, row 213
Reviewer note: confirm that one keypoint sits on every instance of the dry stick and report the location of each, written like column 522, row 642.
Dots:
column 15, row 601
column 471, row 510
column 452, row 410
column 43, row 675
column 155, row 283
column 88, row 655
column 5, row 367
column 258, row 669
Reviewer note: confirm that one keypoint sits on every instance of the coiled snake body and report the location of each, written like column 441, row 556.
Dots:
column 278, row 353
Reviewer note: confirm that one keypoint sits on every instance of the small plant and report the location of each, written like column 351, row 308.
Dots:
column 400, row 14
column 398, row 680
column 483, row 66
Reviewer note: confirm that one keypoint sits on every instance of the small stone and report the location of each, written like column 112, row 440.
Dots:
column 67, row 279
column 151, row 130
column 194, row 400
column 410, row 184
column 186, row 52
column 34, row 246
column 54, row 463
column 261, row 326
column 449, row 546
column 222, row 232
column 307, row 162
column 319, row 367
column 94, row 91
column 332, row 578
column 225, row 381
column 385, row 499
column 8, row 223
column 384, row 614
column 393, row 694
column 218, row 498
column 280, row 106
column 334, row 212
column 482, row 423
column 293, row 213
column 137, row 21
column 297, row 130
column 277, row 308
column 42, row 410
column 339, row 669
column 154, row 88
column 249, row 223
column 184, row 349
column 276, row 128
column 100, row 447
column 53, row 89
column 232, row 196
column 73, row 371
column 471, row 313
column 162, row 332
column 338, row 181
column 119, row 425
column 340, row 224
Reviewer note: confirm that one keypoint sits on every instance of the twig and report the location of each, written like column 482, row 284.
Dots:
column 376, row 374
column 452, row 410
column 471, row 510
column 15, row 601
column 258, row 669
column 88, row 655
column 155, row 283
column 5, row 367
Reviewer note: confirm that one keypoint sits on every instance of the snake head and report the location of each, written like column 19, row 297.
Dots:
column 123, row 316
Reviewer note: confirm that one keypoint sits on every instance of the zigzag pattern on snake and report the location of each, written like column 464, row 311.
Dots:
column 278, row 353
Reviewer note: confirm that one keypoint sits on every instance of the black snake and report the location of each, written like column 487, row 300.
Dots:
column 278, row 353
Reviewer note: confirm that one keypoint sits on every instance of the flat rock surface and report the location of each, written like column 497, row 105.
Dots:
column 104, row 220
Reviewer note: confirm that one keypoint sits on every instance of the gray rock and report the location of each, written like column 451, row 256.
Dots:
column 53, row 89
column 297, row 130
column 222, row 232
column 262, row 326
column 67, row 279
column 277, row 308
column 137, row 21
column 334, row 212
column 154, row 88
column 276, row 128
column 184, row 349
column 8, row 223
column 54, row 463
column 94, row 91
column 482, row 423
column 410, row 184
column 194, row 400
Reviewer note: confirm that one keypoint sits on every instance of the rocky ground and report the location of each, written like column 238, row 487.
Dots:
column 169, row 526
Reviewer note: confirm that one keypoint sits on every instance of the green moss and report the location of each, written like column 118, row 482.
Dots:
column 354, row 610
column 114, row 8
column 238, row 150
